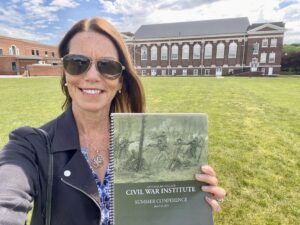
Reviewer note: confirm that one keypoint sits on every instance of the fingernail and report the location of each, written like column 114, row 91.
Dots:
column 204, row 167
column 199, row 176
column 204, row 188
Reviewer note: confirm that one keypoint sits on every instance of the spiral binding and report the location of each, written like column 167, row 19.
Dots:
column 112, row 174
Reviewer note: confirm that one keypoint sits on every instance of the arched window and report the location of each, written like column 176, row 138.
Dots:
column 164, row 52
column 196, row 51
column 13, row 50
column 232, row 50
column 220, row 51
column 174, row 54
column 144, row 53
column 153, row 53
column 185, row 51
column 208, row 51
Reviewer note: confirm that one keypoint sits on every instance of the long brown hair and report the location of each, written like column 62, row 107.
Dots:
column 132, row 98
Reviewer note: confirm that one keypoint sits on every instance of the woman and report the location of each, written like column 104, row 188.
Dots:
column 98, row 79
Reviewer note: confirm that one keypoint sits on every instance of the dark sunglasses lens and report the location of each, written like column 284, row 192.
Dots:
column 109, row 68
column 76, row 64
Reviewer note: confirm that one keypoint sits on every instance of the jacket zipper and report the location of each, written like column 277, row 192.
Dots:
column 76, row 188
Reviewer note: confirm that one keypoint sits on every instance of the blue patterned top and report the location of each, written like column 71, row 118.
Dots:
column 103, row 189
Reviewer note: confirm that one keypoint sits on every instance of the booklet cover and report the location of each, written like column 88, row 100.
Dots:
column 154, row 158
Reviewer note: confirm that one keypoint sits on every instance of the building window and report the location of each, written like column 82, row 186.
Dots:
column 207, row 71
column 144, row 53
column 13, row 50
column 185, row 52
column 37, row 52
column 53, row 54
column 272, row 57
column 263, row 57
column 255, row 48
column 196, row 51
column 163, row 72
column 46, row 53
column 184, row 72
column 232, row 50
column 32, row 52
column 264, row 43
column 174, row 54
column 1, row 51
column 195, row 72
column 208, row 51
column 220, row 50
column 273, row 43
column 14, row 66
column 153, row 53
column 173, row 72
column 164, row 52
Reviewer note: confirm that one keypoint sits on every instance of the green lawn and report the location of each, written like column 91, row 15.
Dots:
column 254, row 134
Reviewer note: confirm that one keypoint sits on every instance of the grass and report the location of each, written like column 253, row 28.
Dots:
column 254, row 134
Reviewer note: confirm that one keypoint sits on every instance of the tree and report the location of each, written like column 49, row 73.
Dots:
column 291, row 62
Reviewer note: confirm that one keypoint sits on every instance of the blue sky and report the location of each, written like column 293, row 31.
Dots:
column 46, row 21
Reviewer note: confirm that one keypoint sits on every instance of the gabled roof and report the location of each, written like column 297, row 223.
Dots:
column 256, row 25
column 194, row 28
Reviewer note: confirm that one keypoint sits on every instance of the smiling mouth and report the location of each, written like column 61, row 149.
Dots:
column 91, row 91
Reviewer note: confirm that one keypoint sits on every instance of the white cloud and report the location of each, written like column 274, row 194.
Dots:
column 132, row 13
column 64, row 3
column 24, row 34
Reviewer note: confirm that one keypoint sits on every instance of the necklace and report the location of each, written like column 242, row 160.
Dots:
column 97, row 161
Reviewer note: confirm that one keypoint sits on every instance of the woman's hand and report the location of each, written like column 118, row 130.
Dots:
column 208, row 176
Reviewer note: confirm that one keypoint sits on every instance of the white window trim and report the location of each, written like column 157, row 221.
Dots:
column 205, row 51
column 273, row 58
column 198, row 54
column 220, row 51
column 153, row 53
column 272, row 44
column 265, row 40
column 142, row 55
column 231, row 46
column 164, row 56
column 256, row 51
column 265, row 57
column 185, row 51
column 174, row 56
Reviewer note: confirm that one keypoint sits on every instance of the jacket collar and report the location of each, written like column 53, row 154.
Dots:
column 66, row 133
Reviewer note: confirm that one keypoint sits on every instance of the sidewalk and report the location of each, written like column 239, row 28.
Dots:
column 10, row 76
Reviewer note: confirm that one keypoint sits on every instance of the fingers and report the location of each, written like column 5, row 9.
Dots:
column 211, row 180
column 208, row 176
column 214, row 204
column 217, row 192
column 208, row 170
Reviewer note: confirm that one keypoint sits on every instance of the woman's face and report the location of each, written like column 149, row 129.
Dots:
column 90, row 91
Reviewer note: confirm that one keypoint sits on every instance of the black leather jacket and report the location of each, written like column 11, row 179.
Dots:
column 24, row 173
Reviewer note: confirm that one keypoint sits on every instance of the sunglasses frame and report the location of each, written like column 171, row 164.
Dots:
column 101, row 59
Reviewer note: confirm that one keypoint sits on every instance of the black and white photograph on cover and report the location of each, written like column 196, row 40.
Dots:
column 151, row 147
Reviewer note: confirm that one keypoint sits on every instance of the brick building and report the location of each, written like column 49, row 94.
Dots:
column 25, row 57
column 211, row 47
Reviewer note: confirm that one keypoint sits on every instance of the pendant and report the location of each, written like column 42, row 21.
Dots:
column 97, row 161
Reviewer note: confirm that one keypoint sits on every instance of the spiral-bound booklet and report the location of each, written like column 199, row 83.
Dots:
column 154, row 158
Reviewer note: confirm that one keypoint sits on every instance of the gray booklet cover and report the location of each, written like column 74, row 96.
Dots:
column 154, row 158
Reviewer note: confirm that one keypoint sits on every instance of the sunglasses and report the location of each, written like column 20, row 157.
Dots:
column 79, row 64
